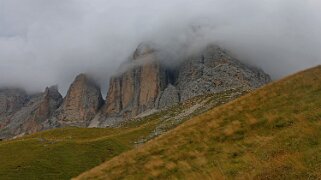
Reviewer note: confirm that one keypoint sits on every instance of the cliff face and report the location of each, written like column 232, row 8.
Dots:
column 33, row 113
column 24, row 114
column 11, row 100
column 147, row 84
column 137, row 89
column 81, row 103
column 214, row 70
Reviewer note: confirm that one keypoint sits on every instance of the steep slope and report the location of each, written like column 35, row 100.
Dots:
column 66, row 152
column 272, row 133
column 29, row 114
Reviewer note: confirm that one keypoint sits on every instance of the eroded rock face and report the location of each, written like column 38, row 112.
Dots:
column 136, row 90
column 169, row 97
column 81, row 103
column 215, row 71
column 33, row 115
column 11, row 100
column 148, row 84
column 143, row 84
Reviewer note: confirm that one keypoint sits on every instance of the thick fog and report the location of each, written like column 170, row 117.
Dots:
column 46, row 42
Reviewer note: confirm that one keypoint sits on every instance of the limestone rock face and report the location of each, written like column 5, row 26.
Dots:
column 81, row 103
column 143, row 84
column 147, row 84
column 51, row 100
column 169, row 97
column 136, row 90
column 150, row 85
column 33, row 115
column 11, row 100
column 214, row 71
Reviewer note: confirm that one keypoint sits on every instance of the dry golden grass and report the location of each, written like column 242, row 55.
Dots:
column 272, row 133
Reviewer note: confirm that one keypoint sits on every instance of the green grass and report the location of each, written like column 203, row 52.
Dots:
column 65, row 153
column 272, row 133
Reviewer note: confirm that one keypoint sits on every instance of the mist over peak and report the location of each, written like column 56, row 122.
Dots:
column 43, row 43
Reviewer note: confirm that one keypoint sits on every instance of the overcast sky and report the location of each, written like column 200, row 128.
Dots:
column 47, row 42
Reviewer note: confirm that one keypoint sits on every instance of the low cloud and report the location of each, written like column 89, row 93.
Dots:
column 45, row 42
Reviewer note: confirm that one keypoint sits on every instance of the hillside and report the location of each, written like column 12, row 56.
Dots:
column 272, row 133
column 67, row 152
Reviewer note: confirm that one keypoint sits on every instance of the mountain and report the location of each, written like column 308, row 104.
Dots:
column 214, row 70
column 25, row 114
column 63, row 153
column 143, row 85
column 271, row 133
column 81, row 103
column 147, row 84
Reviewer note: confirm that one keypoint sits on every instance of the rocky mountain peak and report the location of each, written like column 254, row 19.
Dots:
column 33, row 113
column 51, row 100
column 152, row 85
column 81, row 78
column 145, row 84
column 81, row 103
column 53, row 92
column 142, row 50
column 136, row 89
column 214, row 70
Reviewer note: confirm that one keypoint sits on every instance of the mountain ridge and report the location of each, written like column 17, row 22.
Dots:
column 145, row 85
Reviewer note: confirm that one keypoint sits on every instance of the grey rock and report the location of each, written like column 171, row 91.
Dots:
column 11, row 100
column 150, row 84
column 214, row 71
column 137, row 89
column 169, row 97
column 144, row 84
column 81, row 103
column 33, row 115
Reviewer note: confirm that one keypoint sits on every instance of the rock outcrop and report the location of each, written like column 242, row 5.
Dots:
column 81, row 103
column 24, row 114
column 33, row 113
column 148, row 84
column 11, row 100
column 169, row 97
column 214, row 70
column 137, row 89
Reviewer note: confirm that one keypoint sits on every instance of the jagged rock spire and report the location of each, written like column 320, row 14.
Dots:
column 82, row 102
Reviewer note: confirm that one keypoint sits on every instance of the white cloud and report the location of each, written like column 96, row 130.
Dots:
column 45, row 42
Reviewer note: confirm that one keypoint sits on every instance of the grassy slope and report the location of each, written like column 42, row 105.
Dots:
column 272, row 133
column 65, row 153
column 50, row 155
